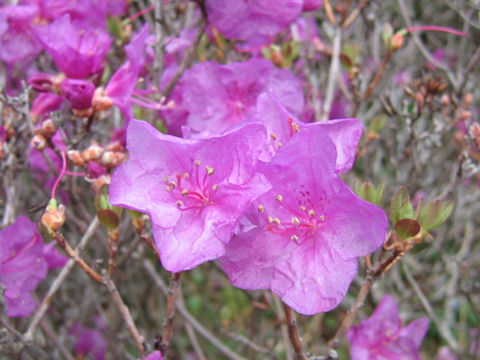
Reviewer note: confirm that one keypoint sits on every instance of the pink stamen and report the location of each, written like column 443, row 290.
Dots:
column 62, row 173
column 435, row 28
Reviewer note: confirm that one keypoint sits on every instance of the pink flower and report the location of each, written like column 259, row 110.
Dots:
column 302, row 239
column 122, row 84
column 254, row 20
column 194, row 190
column 90, row 341
column 18, row 39
column 76, row 49
column 22, row 265
column 212, row 98
column 382, row 337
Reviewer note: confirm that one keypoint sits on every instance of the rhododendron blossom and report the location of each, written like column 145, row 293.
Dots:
column 302, row 239
column 254, row 20
column 76, row 49
column 194, row 190
column 215, row 97
column 382, row 337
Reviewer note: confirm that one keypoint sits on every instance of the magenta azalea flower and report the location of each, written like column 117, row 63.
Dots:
column 382, row 337
column 302, row 239
column 252, row 20
column 215, row 97
column 76, row 49
column 194, row 190
column 22, row 265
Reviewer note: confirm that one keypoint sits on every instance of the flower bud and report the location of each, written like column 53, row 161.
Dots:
column 468, row 99
column 38, row 142
column 111, row 159
column 100, row 100
column 396, row 41
column 445, row 100
column 92, row 152
column 76, row 157
column 49, row 128
column 78, row 92
column 54, row 217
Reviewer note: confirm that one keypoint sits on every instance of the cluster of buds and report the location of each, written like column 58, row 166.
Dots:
column 109, row 157
column 43, row 134
column 53, row 218
column 425, row 90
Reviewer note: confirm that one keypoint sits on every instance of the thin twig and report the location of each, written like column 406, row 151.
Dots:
column 207, row 335
column 442, row 327
column 168, row 325
column 191, row 332
column 60, row 279
column 78, row 260
column 158, row 62
column 284, row 327
column 293, row 333
column 127, row 317
column 329, row 11
column 332, row 74
column 353, row 15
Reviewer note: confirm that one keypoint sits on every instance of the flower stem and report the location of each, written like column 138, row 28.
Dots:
column 293, row 333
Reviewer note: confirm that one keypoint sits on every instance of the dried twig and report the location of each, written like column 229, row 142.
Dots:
column 332, row 74
column 168, row 325
column 293, row 333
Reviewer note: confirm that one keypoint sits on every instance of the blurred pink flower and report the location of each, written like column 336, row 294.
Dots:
column 255, row 21
column 212, row 98
column 156, row 355
column 382, row 337
column 77, row 49
column 22, row 265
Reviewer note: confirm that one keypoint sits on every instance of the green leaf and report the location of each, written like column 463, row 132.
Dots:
column 407, row 228
column 400, row 207
column 368, row 192
column 434, row 214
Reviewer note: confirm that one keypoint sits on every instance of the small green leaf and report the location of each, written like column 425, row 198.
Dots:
column 407, row 228
column 400, row 207
column 433, row 214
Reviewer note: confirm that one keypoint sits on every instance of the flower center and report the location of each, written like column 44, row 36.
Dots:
column 301, row 226
column 191, row 190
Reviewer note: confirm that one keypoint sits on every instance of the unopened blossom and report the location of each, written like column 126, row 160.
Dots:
column 43, row 104
column 282, row 126
column 79, row 93
column 302, row 238
column 193, row 190
column 255, row 20
column 77, row 50
column 212, row 98
column 22, row 265
column 382, row 337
